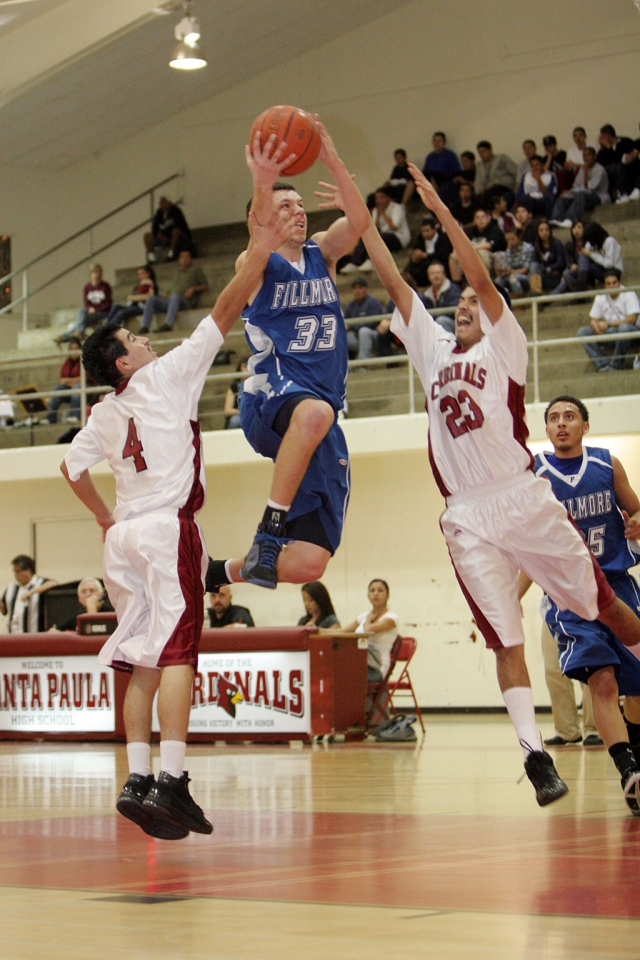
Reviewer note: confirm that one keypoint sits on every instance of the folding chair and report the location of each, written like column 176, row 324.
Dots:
column 378, row 690
column 402, row 686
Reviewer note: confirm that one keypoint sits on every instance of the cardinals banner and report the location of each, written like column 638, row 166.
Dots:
column 262, row 692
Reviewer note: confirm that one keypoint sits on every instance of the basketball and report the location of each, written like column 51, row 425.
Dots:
column 298, row 131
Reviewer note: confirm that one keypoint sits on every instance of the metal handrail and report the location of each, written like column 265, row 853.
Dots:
column 27, row 293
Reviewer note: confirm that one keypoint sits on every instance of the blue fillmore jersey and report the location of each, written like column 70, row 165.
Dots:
column 584, row 485
column 295, row 329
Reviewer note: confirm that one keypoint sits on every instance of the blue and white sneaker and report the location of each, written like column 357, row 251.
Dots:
column 261, row 563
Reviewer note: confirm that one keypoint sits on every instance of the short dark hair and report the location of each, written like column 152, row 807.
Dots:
column 100, row 352
column 568, row 398
column 581, row 129
column 610, row 129
column 469, row 154
column 278, row 185
column 318, row 592
column 537, row 157
column 388, row 191
column 549, row 140
column 532, row 142
column 484, row 144
column 400, row 150
column 591, row 150
column 612, row 272
column 439, row 133
column 23, row 562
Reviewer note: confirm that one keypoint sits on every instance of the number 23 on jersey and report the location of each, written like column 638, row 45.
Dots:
column 133, row 447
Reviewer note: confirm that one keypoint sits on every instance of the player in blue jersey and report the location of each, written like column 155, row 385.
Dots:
column 593, row 486
column 289, row 406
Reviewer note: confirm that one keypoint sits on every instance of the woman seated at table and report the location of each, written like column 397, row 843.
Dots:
column 383, row 624
column 317, row 603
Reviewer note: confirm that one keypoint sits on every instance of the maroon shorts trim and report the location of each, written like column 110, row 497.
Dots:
column 182, row 645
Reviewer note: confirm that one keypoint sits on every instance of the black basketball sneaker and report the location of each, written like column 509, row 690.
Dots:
column 544, row 777
column 130, row 805
column 169, row 799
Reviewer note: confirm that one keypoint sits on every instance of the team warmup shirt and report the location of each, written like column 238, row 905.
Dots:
column 148, row 431
column 295, row 329
column 475, row 399
column 585, row 486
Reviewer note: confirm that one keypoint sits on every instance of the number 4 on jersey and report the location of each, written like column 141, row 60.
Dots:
column 133, row 448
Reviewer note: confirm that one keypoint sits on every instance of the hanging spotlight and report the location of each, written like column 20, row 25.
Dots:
column 187, row 55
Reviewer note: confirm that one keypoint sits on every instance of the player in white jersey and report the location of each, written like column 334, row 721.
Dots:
column 155, row 558
column 499, row 517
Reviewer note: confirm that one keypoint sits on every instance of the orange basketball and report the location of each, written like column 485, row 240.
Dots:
column 298, row 130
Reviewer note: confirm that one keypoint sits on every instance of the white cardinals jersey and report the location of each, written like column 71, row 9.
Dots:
column 475, row 399
column 148, row 431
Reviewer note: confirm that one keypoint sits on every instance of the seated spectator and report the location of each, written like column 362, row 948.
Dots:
column 187, row 284
column 223, row 613
column 69, row 377
column 590, row 188
column 615, row 311
column 624, row 177
column 383, row 624
column 554, row 159
column 573, row 248
column 500, row 214
column 464, row 207
column 317, row 603
column 612, row 150
column 441, row 166
column 525, row 223
column 549, row 261
column 575, row 153
column 538, row 189
column 145, row 287
column 529, row 150
column 430, row 244
column 487, row 238
column 96, row 299
column 599, row 252
column 92, row 598
column 362, row 337
column 169, row 229
column 400, row 180
column 441, row 292
column 231, row 398
column 20, row 602
column 391, row 220
column 495, row 173
column 513, row 274
column 467, row 168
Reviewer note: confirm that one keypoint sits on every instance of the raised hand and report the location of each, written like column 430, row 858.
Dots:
column 276, row 232
column 425, row 189
column 331, row 195
column 267, row 162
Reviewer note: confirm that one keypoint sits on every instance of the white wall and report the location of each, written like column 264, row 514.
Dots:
column 478, row 70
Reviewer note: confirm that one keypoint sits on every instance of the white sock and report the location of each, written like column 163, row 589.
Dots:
column 519, row 704
column 278, row 506
column 139, row 758
column 227, row 570
column 172, row 754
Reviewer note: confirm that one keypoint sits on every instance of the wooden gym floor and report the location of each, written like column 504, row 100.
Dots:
column 348, row 851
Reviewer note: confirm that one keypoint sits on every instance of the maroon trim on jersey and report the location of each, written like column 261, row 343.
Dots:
column 515, row 402
column 122, row 386
column 196, row 494
column 491, row 638
column 182, row 645
column 434, row 469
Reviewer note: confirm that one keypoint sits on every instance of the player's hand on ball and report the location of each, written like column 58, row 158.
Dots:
column 328, row 152
column 266, row 163
column 330, row 195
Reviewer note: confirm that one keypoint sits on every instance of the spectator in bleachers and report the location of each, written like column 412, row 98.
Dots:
column 464, row 207
column 626, row 175
column 495, row 173
column 231, row 398
column 573, row 248
column 500, row 214
column 554, row 159
column 611, row 153
column 467, row 168
column 145, row 287
column 575, row 153
column 441, row 292
column 538, row 188
column 362, row 337
column 615, row 311
column 96, row 300
column 549, row 260
column 391, row 220
column 487, row 238
column 20, row 602
column 430, row 244
column 441, row 166
column 590, row 189
column 400, row 180
column 69, row 377
column 169, row 229
column 513, row 274
column 187, row 284
column 318, row 606
column 529, row 150
column 526, row 223
column 599, row 252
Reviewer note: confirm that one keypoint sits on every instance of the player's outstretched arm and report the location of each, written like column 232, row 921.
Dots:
column 341, row 236
column 473, row 267
column 627, row 500
column 397, row 288
column 266, row 164
column 86, row 492
column 265, row 239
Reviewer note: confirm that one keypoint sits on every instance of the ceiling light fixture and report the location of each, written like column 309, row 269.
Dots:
column 187, row 55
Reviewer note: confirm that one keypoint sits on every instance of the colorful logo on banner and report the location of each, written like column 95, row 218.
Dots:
column 263, row 692
column 57, row 695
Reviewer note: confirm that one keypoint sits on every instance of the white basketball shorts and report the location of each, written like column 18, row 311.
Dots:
column 494, row 532
column 154, row 569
